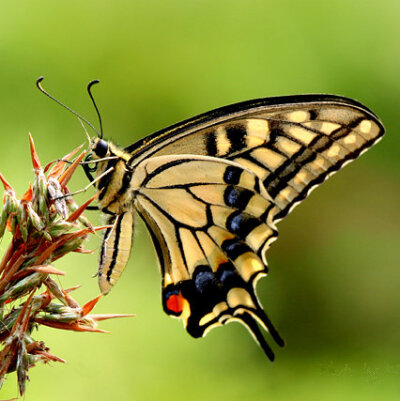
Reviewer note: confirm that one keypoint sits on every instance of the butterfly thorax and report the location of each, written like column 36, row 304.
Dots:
column 116, row 186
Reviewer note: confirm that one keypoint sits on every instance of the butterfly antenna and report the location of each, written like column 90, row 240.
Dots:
column 39, row 85
column 89, row 89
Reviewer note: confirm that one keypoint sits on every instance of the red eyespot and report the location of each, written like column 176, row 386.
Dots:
column 175, row 303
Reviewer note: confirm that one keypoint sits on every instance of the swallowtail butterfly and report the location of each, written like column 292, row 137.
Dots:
column 211, row 190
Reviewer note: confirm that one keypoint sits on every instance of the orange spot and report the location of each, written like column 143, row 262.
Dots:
column 175, row 303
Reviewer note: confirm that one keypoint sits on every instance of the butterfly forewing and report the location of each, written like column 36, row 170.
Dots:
column 292, row 144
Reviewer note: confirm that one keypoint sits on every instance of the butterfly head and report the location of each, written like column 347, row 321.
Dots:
column 103, row 157
column 99, row 148
column 96, row 160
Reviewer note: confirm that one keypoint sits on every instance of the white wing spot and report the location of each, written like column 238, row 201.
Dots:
column 258, row 128
column 299, row 116
column 350, row 139
column 365, row 126
column 223, row 143
column 239, row 297
column 328, row 127
column 334, row 151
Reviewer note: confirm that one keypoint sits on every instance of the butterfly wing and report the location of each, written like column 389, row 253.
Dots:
column 291, row 143
column 209, row 224
column 211, row 189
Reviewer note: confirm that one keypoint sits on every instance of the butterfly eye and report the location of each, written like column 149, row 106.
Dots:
column 101, row 148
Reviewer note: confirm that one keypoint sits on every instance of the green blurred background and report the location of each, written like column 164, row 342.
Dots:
column 333, row 290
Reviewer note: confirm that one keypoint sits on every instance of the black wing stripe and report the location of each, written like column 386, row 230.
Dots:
column 117, row 228
column 211, row 144
column 236, row 135
column 110, row 222
column 345, row 129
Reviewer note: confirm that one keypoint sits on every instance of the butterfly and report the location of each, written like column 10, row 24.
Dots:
column 211, row 190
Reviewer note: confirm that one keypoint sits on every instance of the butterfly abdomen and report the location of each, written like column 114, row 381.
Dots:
column 116, row 200
column 115, row 249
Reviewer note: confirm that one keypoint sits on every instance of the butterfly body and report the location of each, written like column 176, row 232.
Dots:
column 211, row 190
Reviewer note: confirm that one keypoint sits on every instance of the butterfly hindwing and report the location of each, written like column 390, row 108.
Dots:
column 207, row 219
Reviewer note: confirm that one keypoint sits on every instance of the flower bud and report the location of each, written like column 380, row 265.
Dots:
column 47, row 235
column 22, row 221
column 40, row 194
column 34, row 218
column 69, row 246
column 60, row 313
column 55, row 290
column 22, row 367
column 22, row 287
column 11, row 202
column 59, row 227
column 13, row 224
column 3, row 220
